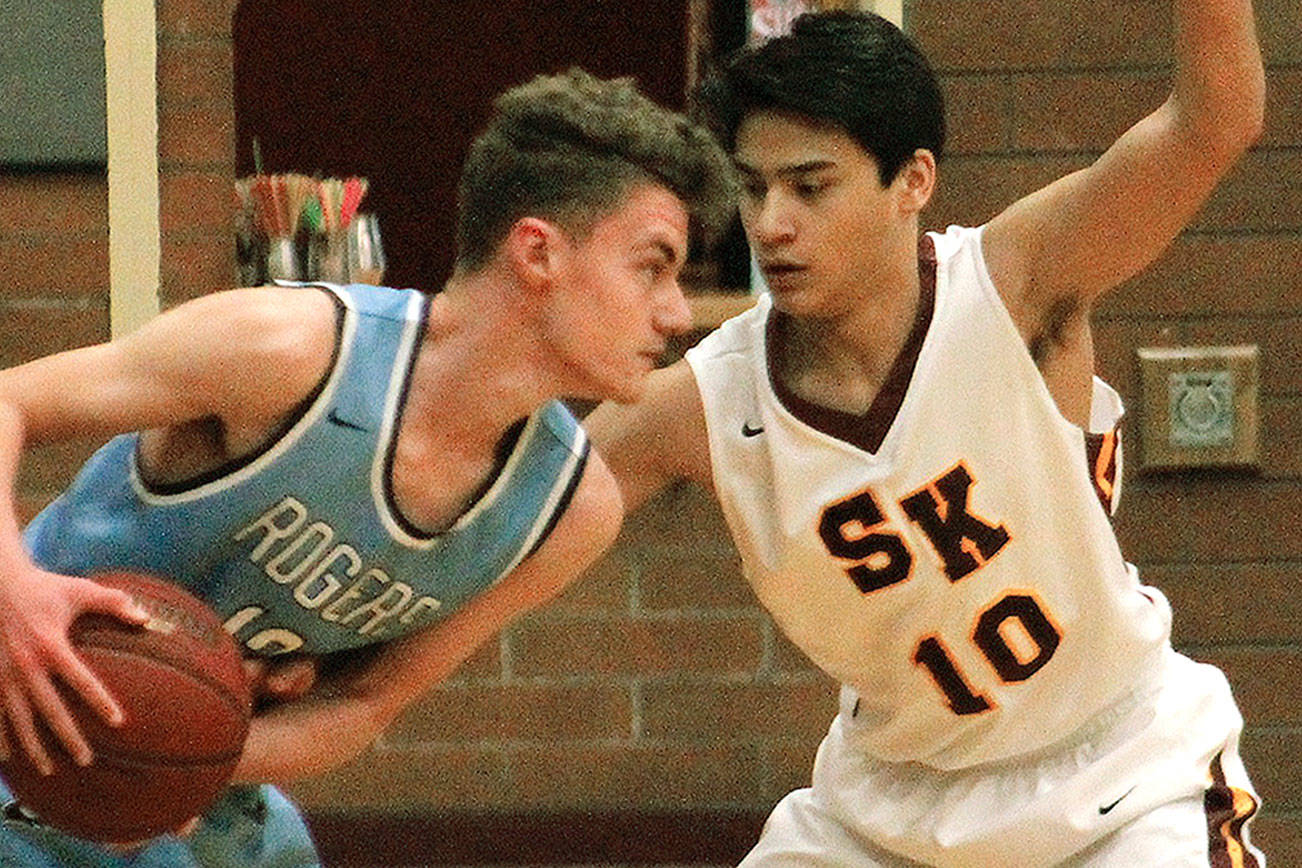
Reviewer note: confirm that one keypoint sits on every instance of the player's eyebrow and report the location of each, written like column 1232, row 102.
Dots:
column 664, row 248
column 794, row 170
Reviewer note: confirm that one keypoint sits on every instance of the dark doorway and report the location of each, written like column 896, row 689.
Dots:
column 394, row 91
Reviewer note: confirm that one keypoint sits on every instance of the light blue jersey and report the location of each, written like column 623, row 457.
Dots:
column 301, row 547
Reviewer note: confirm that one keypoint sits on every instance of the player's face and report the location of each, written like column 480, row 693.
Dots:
column 818, row 219
column 620, row 300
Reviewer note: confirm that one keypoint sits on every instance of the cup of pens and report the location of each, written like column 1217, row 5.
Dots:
column 364, row 252
column 295, row 227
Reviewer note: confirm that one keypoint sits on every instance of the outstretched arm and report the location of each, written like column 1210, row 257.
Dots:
column 1062, row 246
column 342, row 717
column 659, row 440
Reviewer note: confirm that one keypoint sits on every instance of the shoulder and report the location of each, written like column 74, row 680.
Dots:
column 224, row 345
column 258, row 318
column 590, row 522
column 598, row 505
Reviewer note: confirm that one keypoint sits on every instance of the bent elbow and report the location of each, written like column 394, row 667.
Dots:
column 1217, row 140
column 1242, row 117
column 1245, row 121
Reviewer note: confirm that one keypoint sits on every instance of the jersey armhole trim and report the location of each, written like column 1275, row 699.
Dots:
column 567, row 496
column 233, row 472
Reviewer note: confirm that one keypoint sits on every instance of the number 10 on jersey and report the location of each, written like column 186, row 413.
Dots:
column 1014, row 634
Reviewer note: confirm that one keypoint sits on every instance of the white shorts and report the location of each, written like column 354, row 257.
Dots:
column 1156, row 781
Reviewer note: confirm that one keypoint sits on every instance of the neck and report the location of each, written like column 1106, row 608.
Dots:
column 475, row 373
column 861, row 341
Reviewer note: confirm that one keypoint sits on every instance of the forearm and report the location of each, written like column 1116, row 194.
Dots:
column 11, row 449
column 1219, row 89
column 305, row 738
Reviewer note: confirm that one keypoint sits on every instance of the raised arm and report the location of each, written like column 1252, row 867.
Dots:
column 657, row 441
column 344, row 715
column 1059, row 248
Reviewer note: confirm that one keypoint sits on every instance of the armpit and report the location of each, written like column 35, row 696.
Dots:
column 1055, row 331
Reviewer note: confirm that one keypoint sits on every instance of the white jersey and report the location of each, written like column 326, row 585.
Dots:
column 961, row 578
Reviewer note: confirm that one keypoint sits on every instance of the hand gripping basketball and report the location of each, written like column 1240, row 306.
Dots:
column 37, row 609
column 185, row 707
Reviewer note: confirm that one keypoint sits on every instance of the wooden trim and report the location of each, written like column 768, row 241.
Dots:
column 710, row 309
column 131, row 91
column 366, row 839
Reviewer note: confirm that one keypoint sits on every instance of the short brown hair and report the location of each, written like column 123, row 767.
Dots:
column 568, row 148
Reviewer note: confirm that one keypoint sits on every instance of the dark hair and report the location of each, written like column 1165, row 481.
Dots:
column 853, row 70
column 568, row 148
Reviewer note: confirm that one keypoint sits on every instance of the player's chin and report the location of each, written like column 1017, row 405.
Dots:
column 626, row 382
column 628, row 389
column 794, row 301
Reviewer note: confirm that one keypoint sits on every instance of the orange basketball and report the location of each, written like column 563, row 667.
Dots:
column 187, row 706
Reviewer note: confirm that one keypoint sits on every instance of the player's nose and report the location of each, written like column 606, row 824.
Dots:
column 673, row 315
column 770, row 222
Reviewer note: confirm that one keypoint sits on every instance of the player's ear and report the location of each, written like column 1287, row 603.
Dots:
column 533, row 248
column 916, row 181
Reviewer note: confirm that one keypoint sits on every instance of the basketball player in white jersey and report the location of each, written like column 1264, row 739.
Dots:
column 918, row 467
column 336, row 467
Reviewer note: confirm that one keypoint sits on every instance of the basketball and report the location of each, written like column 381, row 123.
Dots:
column 182, row 690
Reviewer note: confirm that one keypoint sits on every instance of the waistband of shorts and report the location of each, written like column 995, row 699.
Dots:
column 1092, row 732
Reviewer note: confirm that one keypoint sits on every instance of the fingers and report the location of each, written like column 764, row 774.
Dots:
column 23, row 728
column 255, row 672
column 34, row 693
column 292, row 680
column 81, row 678
column 110, row 601
column 280, row 680
column 55, row 713
column 38, row 660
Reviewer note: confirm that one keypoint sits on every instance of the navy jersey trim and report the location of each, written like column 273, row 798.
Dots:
column 227, row 468
column 386, row 483
column 564, row 503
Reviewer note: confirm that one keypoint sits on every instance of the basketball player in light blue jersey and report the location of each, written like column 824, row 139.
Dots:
column 332, row 467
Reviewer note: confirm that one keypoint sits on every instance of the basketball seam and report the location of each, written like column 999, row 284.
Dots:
column 221, row 690
column 220, row 687
column 136, row 761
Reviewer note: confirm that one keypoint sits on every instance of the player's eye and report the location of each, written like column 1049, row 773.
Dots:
column 810, row 189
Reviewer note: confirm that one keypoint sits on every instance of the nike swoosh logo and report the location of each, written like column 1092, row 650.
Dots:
column 1103, row 809
column 748, row 431
column 16, row 813
column 343, row 423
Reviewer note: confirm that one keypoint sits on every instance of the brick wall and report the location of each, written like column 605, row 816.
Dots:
column 655, row 685
column 196, row 147
column 53, row 288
